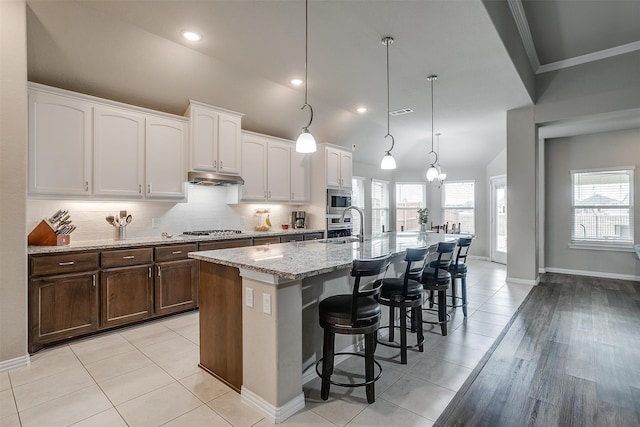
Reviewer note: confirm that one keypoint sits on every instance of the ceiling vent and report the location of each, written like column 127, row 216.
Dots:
column 400, row 112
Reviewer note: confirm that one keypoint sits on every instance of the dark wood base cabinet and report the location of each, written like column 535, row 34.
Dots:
column 126, row 295
column 63, row 307
column 175, row 286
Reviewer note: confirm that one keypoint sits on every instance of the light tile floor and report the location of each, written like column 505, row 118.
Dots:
column 148, row 375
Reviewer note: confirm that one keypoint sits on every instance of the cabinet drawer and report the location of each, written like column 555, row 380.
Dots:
column 224, row 244
column 63, row 263
column 174, row 252
column 314, row 236
column 265, row 240
column 291, row 238
column 125, row 257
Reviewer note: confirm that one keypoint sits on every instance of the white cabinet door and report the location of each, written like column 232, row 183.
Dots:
column 118, row 152
column 165, row 158
column 204, row 139
column 59, row 145
column 300, row 177
column 345, row 169
column 254, row 168
column 229, row 140
column 278, row 171
column 332, row 163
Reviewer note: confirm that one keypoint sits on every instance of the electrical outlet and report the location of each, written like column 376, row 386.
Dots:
column 249, row 297
column 155, row 223
column 266, row 303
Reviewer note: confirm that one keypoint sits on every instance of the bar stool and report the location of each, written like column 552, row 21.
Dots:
column 436, row 278
column 458, row 270
column 354, row 314
column 402, row 293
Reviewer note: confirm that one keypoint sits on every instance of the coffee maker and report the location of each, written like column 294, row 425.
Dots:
column 298, row 219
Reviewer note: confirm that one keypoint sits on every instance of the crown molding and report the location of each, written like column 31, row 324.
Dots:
column 589, row 57
column 517, row 10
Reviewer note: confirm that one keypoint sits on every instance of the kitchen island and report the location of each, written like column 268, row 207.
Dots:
column 268, row 296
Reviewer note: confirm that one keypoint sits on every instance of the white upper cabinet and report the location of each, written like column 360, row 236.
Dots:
column 267, row 170
column 166, row 143
column 215, row 139
column 80, row 145
column 300, row 177
column 254, row 167
column 278, row 171
column 59, row 145
column 118, row 147
column 338, row 167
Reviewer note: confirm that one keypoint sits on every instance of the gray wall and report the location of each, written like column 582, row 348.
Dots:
column 13, row 180
column 602, row 150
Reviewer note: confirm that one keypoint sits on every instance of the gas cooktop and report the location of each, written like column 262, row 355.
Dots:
column 211, row 232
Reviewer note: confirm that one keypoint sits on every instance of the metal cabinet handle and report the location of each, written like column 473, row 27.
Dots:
column 269, row 194
column 86, row 186
column 158, row 271
column 215, row 164
column 93, row 280
column 175, row 253
column 139, row 188
column 129, row 257
column 149, row 272
column 221, row 164
column 292, row 195
column 66, row 263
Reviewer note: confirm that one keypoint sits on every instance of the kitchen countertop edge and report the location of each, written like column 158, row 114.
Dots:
column 157, row 240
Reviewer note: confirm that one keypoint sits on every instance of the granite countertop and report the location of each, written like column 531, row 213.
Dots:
column 297, row 260
column 156, row 240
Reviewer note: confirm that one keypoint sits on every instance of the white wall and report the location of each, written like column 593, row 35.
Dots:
column 13, row 183
column 206, row 209
column 602, row 150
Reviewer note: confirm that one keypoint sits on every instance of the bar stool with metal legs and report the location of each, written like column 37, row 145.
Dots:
column 458, row 270
column 353, row 314
column 404, row 293
column 436, row 278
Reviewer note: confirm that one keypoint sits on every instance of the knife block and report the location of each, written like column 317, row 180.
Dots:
column 44, row 235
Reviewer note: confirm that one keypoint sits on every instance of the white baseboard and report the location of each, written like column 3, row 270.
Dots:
column 275, row 414
column 600, row 274
column 528, row 282
column 18, row 362
column 542, row 270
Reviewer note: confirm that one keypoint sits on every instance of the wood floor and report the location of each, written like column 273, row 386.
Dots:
column 570, row 357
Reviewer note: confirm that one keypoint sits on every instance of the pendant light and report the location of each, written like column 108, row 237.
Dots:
column 388, row 162
column 441, row 175
column 432, row 172
column 306, row 143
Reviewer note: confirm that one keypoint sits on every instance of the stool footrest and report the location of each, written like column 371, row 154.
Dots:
column 362, row 384
column 435, row 312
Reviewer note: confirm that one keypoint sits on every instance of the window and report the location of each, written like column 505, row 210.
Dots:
column 409, row 198
column 357, row 199
column 458, row 204
column 602, row 206
column 379, row 206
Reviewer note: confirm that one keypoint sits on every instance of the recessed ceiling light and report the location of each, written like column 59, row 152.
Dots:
column 361, row 110
column 296, row 82
column 191, row 36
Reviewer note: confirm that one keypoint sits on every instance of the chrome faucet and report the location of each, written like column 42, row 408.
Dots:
column 361, row 212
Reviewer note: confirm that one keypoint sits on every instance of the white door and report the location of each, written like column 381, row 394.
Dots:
column 300, row 177
column 254, row 168
column 278, row 172
column 229, row 140
column 499, row 218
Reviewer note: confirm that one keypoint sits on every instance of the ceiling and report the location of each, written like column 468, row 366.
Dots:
column 132, row 51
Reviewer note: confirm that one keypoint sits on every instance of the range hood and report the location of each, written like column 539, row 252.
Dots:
column 204, row 178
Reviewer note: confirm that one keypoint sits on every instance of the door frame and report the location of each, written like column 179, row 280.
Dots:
column 494, row 182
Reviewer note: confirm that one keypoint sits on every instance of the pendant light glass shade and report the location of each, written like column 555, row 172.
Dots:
column 306, row 143
column 388, row 162
column 432, row 173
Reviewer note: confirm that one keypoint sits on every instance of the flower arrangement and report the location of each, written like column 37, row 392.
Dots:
column 423, row 215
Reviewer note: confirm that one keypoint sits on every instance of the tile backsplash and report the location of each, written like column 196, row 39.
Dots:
column 206, row 208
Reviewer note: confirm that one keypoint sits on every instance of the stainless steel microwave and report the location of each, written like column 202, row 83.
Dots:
column 338, row 200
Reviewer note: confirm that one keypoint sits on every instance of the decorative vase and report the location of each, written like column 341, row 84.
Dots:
column 423, row 227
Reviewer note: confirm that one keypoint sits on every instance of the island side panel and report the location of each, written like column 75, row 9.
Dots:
column 220, row 297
